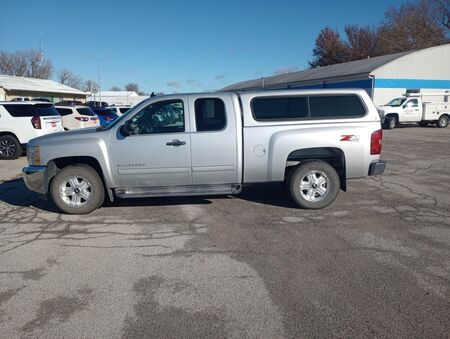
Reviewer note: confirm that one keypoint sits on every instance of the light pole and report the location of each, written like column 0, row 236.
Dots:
column 99, row 60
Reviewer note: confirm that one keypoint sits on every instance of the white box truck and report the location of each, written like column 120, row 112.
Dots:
column 413, row 108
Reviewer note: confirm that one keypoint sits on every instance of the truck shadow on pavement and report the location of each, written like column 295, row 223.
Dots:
column 15, row 193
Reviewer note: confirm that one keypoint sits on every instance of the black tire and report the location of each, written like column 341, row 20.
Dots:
column 9, row 147
column 85, row 176
column 391, row 122
column 443, row 121
column 318, row 169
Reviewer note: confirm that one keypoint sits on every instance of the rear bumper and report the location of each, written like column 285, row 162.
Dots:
column 377, row 168
column 34, row 178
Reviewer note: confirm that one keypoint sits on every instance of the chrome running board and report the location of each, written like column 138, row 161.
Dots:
column 173, row 191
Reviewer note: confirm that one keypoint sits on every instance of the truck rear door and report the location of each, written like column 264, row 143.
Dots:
column 214, row 142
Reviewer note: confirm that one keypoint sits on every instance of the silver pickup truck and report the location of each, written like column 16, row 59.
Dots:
column 213, row 144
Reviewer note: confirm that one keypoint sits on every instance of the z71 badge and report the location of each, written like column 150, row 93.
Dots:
column 351, row 138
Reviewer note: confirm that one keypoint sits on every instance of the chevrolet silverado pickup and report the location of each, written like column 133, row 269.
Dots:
column 213, row 144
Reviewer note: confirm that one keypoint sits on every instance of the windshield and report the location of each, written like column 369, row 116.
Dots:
column 396, row 102
column 86, row 111
column 45, row 110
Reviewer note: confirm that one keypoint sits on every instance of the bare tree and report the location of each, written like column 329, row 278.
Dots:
column 362, row 42
column 115, row 88
column 443, row 12
column 66, row 77
column 132, row 87
column 90, row 86
column 25, row 63
column 411, row 26
column 414, row 25
column 329, row 49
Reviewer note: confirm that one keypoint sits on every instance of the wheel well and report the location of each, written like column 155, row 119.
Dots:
column 394, row 115
column 9, row 133
column 55, row 165
column 334, row 156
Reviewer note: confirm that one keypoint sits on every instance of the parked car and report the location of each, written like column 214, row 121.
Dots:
column 411, row 108
column 69, row 103
column 120, row 109
column 313, row 140
column 97, row 104
column 74, row 117
column 42, row 99
column 105, row 115
column 20, row 99
column 22, row 121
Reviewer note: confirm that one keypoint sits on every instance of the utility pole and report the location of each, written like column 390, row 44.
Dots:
column 41, row 50
column 98, row 60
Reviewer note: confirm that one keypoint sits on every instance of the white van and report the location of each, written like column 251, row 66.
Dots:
column 22, row 121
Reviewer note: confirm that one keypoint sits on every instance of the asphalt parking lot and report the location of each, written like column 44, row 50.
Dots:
column 376, row 263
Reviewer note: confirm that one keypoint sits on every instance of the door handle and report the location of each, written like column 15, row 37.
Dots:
column 176, row 142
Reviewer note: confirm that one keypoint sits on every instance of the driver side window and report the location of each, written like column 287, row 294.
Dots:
column 159, row 117
column 412, row 103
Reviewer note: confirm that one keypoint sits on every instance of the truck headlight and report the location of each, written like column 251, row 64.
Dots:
column 33, row 155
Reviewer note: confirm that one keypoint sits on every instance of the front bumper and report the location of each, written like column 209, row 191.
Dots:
column 377, row 168
column 34, row 178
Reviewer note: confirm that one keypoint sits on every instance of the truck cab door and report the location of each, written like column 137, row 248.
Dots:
column 413, row 111
column 214, row 139
column 152, row 148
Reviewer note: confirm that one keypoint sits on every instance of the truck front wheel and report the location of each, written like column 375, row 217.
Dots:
column 77, row 189
column 314, row 185
column 443, row 121
column 391, row 122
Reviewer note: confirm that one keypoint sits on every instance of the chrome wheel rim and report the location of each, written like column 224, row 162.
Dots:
column 7, row 148
column 315, row 186
column 443, row 121
column 75, row 191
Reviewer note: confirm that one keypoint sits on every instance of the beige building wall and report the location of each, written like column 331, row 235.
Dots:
column 9, row 95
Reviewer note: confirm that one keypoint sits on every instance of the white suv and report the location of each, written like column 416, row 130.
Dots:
column 22, row 121
column 74, row 117
column 120, row 109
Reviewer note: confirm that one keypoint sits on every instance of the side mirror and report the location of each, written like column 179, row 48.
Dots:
column 125, row 130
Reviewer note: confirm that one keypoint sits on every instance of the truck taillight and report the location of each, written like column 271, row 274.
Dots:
column 375, row 142
column 36, row 122
column 82, row 119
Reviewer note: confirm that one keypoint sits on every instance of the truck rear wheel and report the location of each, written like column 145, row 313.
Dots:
column 9, row 147
column 77, row 189
column 443, row 121
column 314, row 185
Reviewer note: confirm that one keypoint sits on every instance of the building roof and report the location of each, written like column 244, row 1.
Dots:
column 13, row 83
column 118, row 93
column 358, row 67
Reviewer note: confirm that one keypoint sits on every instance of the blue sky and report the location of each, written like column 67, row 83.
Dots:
column 178, row 46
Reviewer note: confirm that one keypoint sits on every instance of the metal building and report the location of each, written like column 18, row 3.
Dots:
column 383, row 77
column 12, row 87
column 130, row 98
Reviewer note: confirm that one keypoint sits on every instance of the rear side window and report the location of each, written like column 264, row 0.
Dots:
column 336, row 106
column 209, row 114
column 85, row 111
column 281, row 108
column 123, row 110
column 18, row 111
column 44, row 110
column 64, row 111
